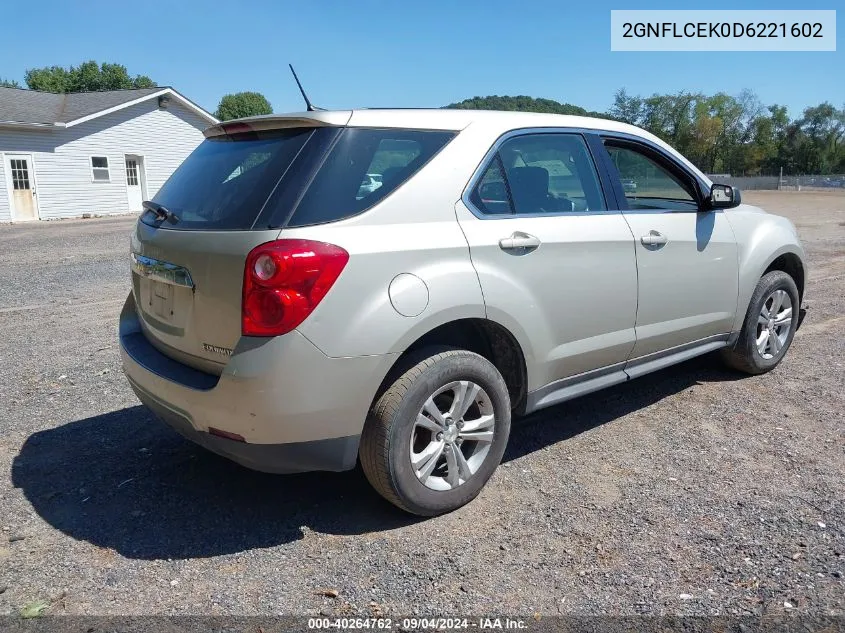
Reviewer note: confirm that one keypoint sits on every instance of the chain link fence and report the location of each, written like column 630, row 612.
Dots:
column 785, row 183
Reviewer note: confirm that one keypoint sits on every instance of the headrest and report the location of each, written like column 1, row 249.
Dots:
column 390, row 173
column 533, row 179
column 529, row 188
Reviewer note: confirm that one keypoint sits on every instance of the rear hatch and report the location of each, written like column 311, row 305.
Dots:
column 237, row 190
column 225, row 199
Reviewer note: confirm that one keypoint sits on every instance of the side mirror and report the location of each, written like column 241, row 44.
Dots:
column 724, row 197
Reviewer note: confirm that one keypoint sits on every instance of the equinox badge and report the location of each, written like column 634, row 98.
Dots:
column 225, row 351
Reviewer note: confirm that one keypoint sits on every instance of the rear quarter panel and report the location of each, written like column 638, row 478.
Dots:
column 412, row 231
column 357, row 317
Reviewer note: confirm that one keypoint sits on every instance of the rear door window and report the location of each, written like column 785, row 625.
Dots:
column 540, row 174
column 365, row 166
column 225, row 182
column 491, row 195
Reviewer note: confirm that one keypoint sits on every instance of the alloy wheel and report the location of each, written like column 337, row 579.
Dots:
column 774, row 324
column 452, row 435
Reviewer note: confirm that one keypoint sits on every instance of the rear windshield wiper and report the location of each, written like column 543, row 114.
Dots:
column 160, row 211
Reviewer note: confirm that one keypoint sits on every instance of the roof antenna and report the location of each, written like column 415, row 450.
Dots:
column 311, row 107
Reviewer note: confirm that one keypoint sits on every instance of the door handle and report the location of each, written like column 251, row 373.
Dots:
column 519, row 241
column 654, row 238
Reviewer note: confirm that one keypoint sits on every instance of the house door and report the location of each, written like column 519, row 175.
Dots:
column 134, row 182
column 21, row 185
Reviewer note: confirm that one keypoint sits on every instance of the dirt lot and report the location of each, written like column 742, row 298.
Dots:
column 691, row 491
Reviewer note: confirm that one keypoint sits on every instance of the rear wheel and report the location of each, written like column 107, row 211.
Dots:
column 435, row 437
column 769, row 325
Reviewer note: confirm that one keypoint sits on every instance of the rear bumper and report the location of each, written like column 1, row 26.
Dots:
column 296, row 408
column 333, row 454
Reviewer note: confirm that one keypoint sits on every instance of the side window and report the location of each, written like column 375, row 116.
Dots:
column 491, row 195
column 100, row 169
column 364, row 167
column 647, row 184
column 540, row 173
column 391, row 157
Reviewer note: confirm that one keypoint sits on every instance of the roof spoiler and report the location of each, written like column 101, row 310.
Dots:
column 317, row 118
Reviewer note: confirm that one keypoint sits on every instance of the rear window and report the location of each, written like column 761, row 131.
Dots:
column 364, row 166
column 224, row 183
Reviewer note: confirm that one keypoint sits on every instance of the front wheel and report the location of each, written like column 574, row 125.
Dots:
column 769, row 325
column 437, row 434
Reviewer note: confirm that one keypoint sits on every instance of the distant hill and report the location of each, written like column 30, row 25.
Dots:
column 523, row 103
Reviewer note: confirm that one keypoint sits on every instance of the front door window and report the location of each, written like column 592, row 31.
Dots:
column 647, row 184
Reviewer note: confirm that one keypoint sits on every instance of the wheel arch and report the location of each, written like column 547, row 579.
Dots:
column 790, row 263
column 757, row 256
column 483, row 336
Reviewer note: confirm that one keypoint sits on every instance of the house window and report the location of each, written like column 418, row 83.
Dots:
column 132, row 172
column 100, row 169
column 20, row 174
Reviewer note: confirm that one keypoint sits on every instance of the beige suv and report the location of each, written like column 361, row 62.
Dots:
column 288, row 316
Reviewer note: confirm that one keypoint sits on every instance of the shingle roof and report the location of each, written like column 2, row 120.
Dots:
column 30, row 106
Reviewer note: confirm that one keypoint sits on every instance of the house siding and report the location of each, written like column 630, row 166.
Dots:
column 5, row 208
column 62, row 157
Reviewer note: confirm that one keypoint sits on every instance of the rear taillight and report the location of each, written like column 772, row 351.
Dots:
column 284, row 281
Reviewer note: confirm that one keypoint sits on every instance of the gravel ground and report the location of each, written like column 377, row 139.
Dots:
column 690, row 491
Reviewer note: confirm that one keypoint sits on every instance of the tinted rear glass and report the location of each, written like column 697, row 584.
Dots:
column 225, row 182
column 363, row 167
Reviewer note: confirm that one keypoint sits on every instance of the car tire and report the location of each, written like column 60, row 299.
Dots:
column 402, row 426
column 751, row 356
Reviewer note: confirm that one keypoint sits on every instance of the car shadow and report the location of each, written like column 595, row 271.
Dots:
column 705, row 221
column 125, row 481
column 566, row 420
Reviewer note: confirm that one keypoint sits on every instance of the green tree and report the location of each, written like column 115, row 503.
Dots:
column 719, row 133
column 766, row 145
column 48, row 79
column 9, row 83
column 87, row 77
column 521, row 103
column 241, row 104
column 670, row 117
column 627, row 108
column 823, row 146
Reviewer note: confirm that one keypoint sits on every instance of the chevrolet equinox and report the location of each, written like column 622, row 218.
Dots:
column 289, row 316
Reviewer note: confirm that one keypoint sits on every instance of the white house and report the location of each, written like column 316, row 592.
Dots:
column 65, row 155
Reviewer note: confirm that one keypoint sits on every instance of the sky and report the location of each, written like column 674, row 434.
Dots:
column 403, row 53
